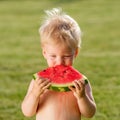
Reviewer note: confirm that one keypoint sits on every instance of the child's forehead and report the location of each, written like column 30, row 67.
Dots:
column 59, row 47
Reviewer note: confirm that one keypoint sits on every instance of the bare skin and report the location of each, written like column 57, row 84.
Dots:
column 58, row 105
column 52, row 105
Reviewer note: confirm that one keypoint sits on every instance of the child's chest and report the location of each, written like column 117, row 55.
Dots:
column 58, row 97
column 60, row 101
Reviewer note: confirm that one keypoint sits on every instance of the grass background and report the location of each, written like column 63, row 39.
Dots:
column 20, row 53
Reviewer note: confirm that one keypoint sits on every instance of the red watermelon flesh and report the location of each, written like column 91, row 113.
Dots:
column 61, row 76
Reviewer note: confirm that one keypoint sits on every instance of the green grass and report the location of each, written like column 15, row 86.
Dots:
column 20, row 53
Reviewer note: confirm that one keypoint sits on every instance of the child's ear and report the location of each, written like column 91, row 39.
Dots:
column 76, row 52
column 44, row 53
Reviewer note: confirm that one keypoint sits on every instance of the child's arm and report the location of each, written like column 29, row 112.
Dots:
column 31, row 100
column 83, row 93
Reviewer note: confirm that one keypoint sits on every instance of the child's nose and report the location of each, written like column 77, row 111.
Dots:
column 60, row 61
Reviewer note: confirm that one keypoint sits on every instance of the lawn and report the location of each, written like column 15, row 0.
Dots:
column 20, row 53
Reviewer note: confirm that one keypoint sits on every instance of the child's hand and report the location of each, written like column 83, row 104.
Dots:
column 78, row 88
column 40, row 85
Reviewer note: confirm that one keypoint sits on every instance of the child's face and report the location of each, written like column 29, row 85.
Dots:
column 58, row 55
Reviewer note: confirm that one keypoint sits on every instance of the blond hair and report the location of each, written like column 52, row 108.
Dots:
column 59, row 27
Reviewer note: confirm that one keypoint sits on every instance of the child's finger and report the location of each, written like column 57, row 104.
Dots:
column 72, row 88
column 77, row 84
column 41, row 80
column 47, row 86
column 85, row 81
column 44, row 83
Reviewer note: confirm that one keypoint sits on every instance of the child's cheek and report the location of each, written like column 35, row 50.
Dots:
column 51, row 62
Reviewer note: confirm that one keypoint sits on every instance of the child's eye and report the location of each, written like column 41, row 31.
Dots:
column 68, row 56
column 52, row 56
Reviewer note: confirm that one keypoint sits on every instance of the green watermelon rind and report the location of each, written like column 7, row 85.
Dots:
column 61, row 87
column 34, row 76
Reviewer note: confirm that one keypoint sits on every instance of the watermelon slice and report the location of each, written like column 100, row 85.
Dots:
column 61, row 77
